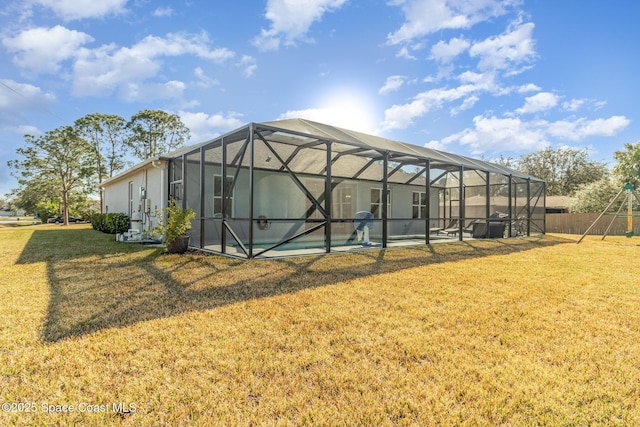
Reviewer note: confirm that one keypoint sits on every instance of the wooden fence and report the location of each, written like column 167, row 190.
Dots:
column 571, row 223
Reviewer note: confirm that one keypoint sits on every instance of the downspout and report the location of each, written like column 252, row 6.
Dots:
column 164, row 189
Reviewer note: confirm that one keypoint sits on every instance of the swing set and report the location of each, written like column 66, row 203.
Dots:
column 629, row 215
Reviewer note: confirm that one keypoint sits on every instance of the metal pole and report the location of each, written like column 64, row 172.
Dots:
column 528, row 207
column 629, row 214
column 251, row 189
column 223, row 196
column 202, row 179
column 427, row 195
column 488, row 206
column 385, row 198
column 183, row 172
column 328, row 198
column 510, row 204
column 461, row 203
column 613, row 219
column 600, row 216
column 544, row 220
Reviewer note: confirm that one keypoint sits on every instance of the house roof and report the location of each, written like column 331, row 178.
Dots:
column 299, row 132
column 558, row 201
column 334, row 133
column 149, row 162
column 133, row 169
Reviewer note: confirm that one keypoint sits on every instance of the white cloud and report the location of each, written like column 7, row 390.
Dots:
column 106, row 69
column 291, row 20
column 582, row 128
column 18, row 98
column 501, row 134
column 604, row 127
column 135, row 92
column 466, row 104
column 163, row 12
column 392, row 83
column 542, row 101
column 505, row 54
column 425, row 17
column 494, row 134
column 404, row 53
column 576, row 104
column 70, row 10
column 249, row 65
column 176, row 44
column 436, row 145
column 485, row 81
column 203, row 126
column 24, row 130
column 530, row 87
column 401, row 116
column 204, row 81
column 445, row 52
column 100, row 71
column 43, row 49
column 514, row 47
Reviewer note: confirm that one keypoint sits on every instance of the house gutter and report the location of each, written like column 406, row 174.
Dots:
column 161, row 163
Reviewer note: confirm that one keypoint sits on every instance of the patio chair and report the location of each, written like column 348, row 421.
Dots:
column 471, row 226
column 453, row 227
column 435, row 230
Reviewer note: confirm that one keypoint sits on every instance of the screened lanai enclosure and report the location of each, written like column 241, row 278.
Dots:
column 295, row 187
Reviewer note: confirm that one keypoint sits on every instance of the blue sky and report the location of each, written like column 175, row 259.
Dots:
column 475, row 77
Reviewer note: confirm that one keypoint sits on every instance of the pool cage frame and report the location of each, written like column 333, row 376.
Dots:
column 292, row 185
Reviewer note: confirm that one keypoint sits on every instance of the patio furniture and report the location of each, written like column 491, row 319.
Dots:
column 453, row 227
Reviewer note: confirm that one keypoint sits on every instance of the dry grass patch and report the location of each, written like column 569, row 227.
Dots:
column 536, row 331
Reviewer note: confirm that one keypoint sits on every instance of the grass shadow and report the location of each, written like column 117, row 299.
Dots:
column 97, row 283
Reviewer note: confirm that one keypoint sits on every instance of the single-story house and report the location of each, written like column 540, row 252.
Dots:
column 558, row 204
column 300, row 187
column 9, row 212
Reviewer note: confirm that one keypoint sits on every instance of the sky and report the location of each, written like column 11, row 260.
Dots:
column 481, row 78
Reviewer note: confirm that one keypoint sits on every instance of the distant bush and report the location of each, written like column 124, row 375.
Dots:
column 111, row 223
column 46, row 210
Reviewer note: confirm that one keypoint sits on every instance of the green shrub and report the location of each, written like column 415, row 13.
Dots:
column 176, row 222
column 46, row 210
column 110, row 223
column 97, row 221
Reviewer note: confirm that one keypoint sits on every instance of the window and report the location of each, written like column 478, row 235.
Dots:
column 342, row 205
column 175, row 192
column 376, row 203
column 217, row 195
column 175, row 173
column 419, row 204
column 341, row 199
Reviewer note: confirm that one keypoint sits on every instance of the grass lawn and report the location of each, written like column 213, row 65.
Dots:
column 515, row 332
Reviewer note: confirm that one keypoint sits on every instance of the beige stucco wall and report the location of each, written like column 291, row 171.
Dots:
column 122, row 194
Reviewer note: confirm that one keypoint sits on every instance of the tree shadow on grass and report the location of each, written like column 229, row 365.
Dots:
column 97, row 283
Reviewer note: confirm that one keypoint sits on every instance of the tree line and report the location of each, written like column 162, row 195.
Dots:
column 60, row 171
column 569, row 172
